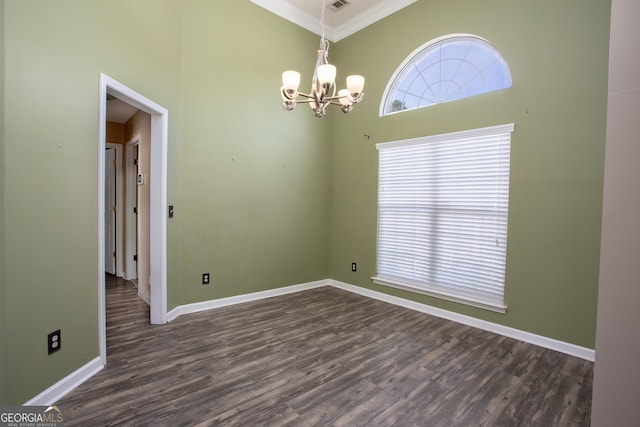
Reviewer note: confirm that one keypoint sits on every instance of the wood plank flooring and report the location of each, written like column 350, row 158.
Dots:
column 321, row 357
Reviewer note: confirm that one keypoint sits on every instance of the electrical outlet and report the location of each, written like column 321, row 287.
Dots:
column 54, row 341
column 205, row 278
column 354, row 266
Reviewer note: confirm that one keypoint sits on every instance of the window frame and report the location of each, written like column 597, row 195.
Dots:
column 426, row 47
column 503, row 134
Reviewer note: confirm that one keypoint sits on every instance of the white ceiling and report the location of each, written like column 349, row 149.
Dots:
column 348, row 19
column 118, row 110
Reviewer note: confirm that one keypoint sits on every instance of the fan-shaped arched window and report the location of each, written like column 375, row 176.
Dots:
column 445, row 69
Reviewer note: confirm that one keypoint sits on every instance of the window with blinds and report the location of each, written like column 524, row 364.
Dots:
column 442, row 215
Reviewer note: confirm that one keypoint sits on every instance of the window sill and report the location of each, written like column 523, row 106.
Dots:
column 406, row 286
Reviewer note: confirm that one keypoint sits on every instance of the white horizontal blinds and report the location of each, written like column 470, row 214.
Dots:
column 442, row 213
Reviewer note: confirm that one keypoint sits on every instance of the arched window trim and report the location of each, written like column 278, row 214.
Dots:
column 411, row 57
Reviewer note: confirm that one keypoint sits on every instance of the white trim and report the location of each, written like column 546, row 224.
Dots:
column 368, row 17
column 416, row 288
column 67, row 384
column 239, row 299
column 102, row 137
column 441, row 137
column 293, row 14
column 309, row 22
column 60, row 389
column 158, row 219
column 539, row 340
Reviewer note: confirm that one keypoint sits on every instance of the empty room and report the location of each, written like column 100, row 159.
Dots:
column 362, row 212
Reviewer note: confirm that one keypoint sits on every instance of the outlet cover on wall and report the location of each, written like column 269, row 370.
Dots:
column 54, row 341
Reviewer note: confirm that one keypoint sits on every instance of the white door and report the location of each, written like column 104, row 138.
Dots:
column 110, row 211
column 131, row 211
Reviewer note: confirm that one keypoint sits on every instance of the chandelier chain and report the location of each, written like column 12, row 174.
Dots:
column 323, row 43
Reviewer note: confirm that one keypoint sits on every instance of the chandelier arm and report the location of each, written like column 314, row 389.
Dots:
column 305, row 95
column 317, row 95
column 322, row 95
column 324, row 108
column 355, row 100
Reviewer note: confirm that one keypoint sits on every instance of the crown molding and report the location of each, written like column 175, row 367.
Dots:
column 373, row 14
column 370, row 16
column 291, row 13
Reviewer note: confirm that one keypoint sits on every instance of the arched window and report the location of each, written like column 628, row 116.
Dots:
column 445, row 69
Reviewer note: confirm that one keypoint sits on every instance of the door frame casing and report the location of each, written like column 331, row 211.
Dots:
column 158, row 201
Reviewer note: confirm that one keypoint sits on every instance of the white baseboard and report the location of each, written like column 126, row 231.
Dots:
column 73, row 380
column 238, row 299
column 68, row 383
column 539, row 340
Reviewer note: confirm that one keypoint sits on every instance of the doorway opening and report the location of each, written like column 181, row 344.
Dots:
column 157, row 202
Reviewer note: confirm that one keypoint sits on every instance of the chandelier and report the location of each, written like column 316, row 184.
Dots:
column 323, row 88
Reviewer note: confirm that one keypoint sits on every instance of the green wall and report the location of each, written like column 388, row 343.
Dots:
column 55, row 51
column 254, row 187
column 558, row 56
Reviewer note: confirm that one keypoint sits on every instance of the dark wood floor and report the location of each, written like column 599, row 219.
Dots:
column 321, row 357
